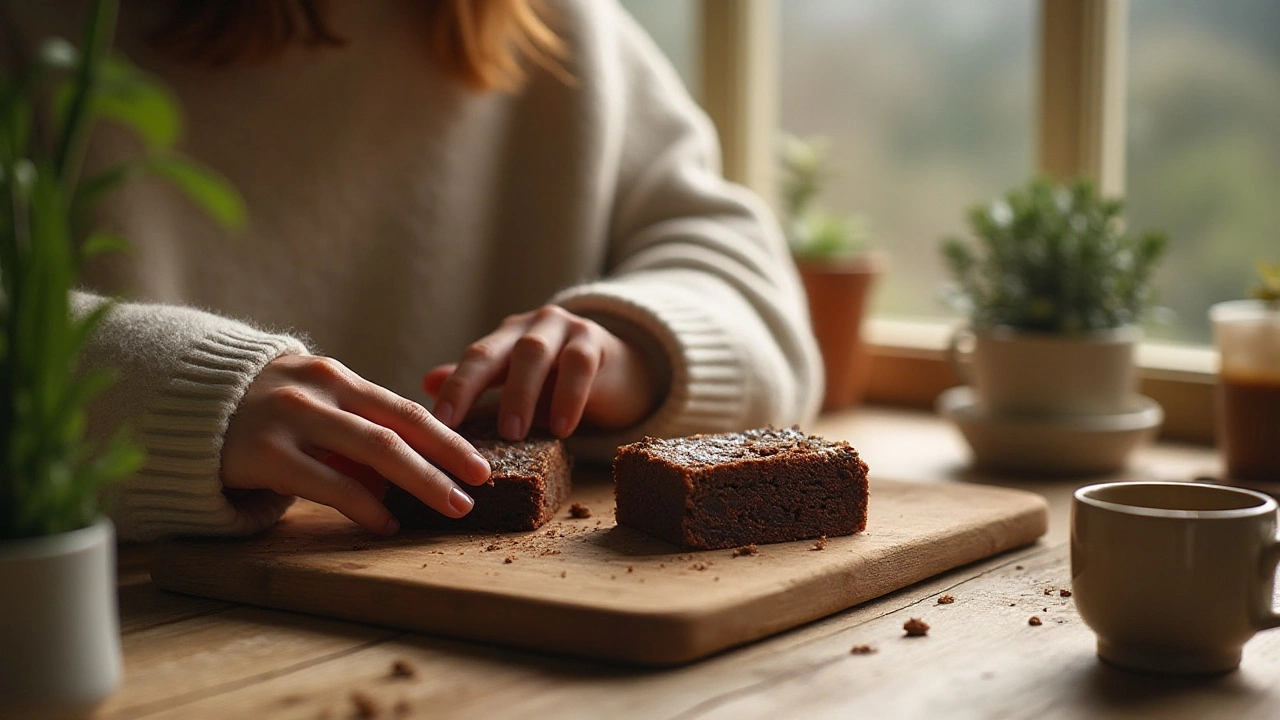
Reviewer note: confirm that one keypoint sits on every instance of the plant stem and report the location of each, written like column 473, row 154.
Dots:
column 69, row 151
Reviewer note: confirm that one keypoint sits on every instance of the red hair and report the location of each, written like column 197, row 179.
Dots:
column 482, row 43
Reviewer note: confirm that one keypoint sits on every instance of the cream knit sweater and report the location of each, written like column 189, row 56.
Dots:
column 396, row 217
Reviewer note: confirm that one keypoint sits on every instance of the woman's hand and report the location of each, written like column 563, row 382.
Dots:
column 302, row 409
column 551, row 361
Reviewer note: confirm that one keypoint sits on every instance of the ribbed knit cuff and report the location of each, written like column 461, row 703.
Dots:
column 179, row 489
column 708, row 384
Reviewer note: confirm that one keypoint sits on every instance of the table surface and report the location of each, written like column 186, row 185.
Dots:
column 195, row 658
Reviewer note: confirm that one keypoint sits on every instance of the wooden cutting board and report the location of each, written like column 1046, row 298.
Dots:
column 587, row 587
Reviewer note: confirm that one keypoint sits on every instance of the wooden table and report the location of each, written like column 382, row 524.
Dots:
column 194, row 658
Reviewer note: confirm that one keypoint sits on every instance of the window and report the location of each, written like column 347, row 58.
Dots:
column 673, row 25
column 928, row 107
column 1203, row 150
column 931, row 106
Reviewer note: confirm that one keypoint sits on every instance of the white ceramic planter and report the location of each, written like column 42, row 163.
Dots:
column 59, row 624
column 1030, row 374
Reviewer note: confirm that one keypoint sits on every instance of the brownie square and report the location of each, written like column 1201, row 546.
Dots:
column 528, row 482
column 760, row 486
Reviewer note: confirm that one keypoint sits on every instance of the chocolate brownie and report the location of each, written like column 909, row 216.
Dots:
column 760, row 486
column 528, row 482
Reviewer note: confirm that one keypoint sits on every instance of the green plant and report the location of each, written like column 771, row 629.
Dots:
column 813, row 232
column 50, row 475
column 1268, row 287
column 1054, row 259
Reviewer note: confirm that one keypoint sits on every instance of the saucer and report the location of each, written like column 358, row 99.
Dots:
column 1069, row 445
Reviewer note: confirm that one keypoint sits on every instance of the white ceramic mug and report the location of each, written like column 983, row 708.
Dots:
column 1033, row 374
column 1173, row 577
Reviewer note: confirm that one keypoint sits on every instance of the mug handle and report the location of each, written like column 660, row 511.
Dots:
column 953, row 353
column 1267, row 617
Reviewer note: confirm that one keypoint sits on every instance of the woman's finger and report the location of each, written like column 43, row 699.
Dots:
column 382, row 449
column 306, row 477
column 579, row 363
column 435, row 377
column 483, row 364
column 428, row 436
column 531, row 359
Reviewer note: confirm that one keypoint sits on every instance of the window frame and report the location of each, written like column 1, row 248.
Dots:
column 1081, row 98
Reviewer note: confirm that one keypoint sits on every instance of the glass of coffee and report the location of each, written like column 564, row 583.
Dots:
column 1247, row 335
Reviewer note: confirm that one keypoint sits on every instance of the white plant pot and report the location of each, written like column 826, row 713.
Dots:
column 59, row 624
column 1031, row 374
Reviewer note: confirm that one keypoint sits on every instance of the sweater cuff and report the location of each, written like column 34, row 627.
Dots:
column 179, row 489
column 708, row 383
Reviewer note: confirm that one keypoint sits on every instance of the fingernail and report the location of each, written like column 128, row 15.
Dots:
column 460, row 502
column 560, row 426
column 444, row 413
column 392, row 527
column 511, row 426
column 478, row 467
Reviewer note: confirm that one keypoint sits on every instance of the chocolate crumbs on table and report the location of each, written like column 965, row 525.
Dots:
column 946, row 599
column 631, row 568
column 1048, row 591
column 1017, row 567
column 364, row 705
column 508, row 559
column 1034, row 621
column 579, row 511
column 915, row 627
column 746, row 550
column 820, row 543
column 402, row 669
column 563, row 573
column 862, row 650
column 1064, row 592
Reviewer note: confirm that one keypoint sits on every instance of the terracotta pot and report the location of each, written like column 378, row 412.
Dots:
column 838, row 293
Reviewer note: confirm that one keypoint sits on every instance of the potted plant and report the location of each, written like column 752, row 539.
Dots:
column 1054, row 289
column 59, row 636
column 837, row 266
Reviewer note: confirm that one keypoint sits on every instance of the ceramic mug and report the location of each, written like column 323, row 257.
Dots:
column 1173, row 577
column 1036, row 374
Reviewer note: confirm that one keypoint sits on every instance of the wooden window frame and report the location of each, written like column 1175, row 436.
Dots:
column 1080, row 132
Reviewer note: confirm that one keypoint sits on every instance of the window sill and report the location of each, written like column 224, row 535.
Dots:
column 909, row 368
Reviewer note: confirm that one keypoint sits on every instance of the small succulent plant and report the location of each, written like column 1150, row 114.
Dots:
column 1053, row 259
column 813, row 232
column 1268, row 287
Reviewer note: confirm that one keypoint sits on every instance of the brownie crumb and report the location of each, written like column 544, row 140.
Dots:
column 402, row 669
column 1013, row 604
column 746, row 550
column 491, row 547
column 631, row 568
column 946, row 599
column 862, row 650
column 820, row 543
column 1017, row 567
column 1048, row 591
column 578, row 511
column 916, row 627
column 563, row 573
column 508, row 559
column 698, row 566
column 1064, row 592
column 1034, row 621
column 365, row 706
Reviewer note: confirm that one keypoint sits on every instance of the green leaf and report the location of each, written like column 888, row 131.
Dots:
column 100, row 243
column 206, row 188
